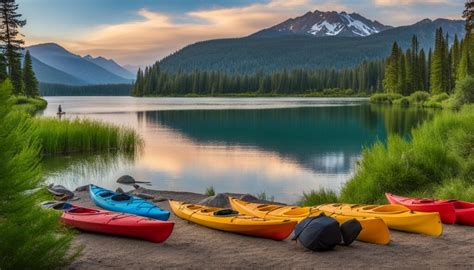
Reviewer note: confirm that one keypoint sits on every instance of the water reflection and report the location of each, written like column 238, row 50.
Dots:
column 282, row 151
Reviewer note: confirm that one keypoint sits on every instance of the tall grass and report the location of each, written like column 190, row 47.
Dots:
column 83, row 135
column 440, row 150
column 317, row 197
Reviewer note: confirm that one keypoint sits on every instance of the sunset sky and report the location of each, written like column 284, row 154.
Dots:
column 138, row 32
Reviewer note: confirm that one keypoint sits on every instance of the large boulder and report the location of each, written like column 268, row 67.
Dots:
column 220, row 200
column 126, row 179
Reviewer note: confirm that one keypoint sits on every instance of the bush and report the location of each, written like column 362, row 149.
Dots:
column 30, row 237
column 456, row 189
column 318, row 197
column 210, row 191
column 464, row 92
column 439, row 98
column 419, row 97
column 433, row 104
column 384, row 98
column 439, row 150
column 264, row 197
column 404, row 102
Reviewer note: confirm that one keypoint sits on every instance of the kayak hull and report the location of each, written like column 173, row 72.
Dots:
column 374, row 230
column 134, row 205
column 106, row 222
column 450, row 211
column 241, row 224
column 396, row 217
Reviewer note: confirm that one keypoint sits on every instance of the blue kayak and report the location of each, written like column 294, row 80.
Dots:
column 124, row 203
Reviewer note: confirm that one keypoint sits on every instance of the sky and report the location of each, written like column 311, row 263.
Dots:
column 140, row 32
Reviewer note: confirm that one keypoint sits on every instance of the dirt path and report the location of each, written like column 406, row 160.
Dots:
column 194, row 246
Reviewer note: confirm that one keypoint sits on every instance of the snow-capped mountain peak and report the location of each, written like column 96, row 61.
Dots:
column 331, row 23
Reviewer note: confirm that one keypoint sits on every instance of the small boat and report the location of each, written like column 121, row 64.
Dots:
column 124, row 203
column 61, row 113
column 397, row 217
column 106, row 222
column 374, row 230
column 232, row 221
column 450, row 211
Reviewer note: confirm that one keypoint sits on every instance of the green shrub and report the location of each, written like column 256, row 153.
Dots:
column 404, row 102
column 384, row 98
column 438, row 151
column 30, row 237
column 264, row 197
column 433, row 104
column 439, row 98
column 83, row 135
column 210, row 191
column 318, row 197
column 464, row 92
column 456, row 189
column 419, row 97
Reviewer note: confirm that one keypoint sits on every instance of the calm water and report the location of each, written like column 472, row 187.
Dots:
column 282, row 146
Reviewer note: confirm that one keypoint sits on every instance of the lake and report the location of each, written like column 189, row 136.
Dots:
column 280, row 146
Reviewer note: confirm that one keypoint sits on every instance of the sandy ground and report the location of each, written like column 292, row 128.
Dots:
column 194, row 246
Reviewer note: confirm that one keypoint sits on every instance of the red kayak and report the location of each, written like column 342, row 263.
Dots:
column 450, row 211
column 101, row 221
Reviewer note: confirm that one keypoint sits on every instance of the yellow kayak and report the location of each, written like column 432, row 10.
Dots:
column 231, row 221
column 374, row 230
column 397, row 217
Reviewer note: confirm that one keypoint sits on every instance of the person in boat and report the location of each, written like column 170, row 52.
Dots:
column 60, row 110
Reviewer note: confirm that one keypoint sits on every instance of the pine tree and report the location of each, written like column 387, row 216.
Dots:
column 468, row 15
column 455, row 58
column 138, row 85
column 29, row 79
column 402, row 75
column 3, row 68
column 437, row 72
column 390, row 81
column 423, row 70
column 11, row 44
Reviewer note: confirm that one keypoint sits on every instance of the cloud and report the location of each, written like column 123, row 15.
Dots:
column 156, row 34
column 411, row 2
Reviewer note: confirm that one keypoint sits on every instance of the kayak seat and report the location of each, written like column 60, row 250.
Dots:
column 226, row 213
column 121, row 197
column 106, row 194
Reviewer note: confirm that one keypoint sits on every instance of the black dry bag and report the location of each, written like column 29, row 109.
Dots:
column 350, row 230
column 318, row 233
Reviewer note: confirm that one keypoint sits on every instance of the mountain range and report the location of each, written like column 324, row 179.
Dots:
column 54, row 64
column 313, row 41
column 320, row 24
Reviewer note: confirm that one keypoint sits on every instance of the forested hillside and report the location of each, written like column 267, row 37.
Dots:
column 252, row 54
column 154, row 81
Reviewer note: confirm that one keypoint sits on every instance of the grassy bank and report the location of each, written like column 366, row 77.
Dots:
column 28, row 104
column 82, row 135
column 437, row 162
column 419, row 98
